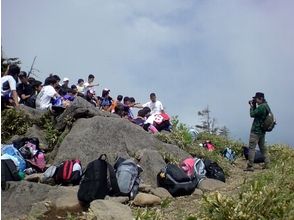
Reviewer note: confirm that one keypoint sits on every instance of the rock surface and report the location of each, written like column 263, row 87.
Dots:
column 80, row 108
column 110, row 210
column 35, row 131
column 26, row 194
column 91, row 137
column 208, row 185
column 144, row 199
column 161, row 193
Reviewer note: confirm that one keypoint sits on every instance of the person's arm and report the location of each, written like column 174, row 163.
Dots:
column 257, row 112
column 15, row 98
column 24, row 97
column 92, row 85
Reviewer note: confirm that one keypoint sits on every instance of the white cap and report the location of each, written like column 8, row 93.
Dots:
column 65, row 79
column 105, row 89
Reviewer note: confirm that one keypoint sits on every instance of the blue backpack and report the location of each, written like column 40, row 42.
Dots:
column 229, row 154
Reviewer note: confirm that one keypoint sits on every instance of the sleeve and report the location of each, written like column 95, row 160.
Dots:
column 51, row 92
column 146, row 105
column 160, row 106
column 258, row 112
column 12, row 83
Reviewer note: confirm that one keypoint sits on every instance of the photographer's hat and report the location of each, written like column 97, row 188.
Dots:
column 258, row 95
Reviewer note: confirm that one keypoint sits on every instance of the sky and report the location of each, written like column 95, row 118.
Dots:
column 191, row 53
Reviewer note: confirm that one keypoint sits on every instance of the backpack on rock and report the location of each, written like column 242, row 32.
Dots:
column 94, row 184
column 69, row 172
column 176, row 181
column 128, row 177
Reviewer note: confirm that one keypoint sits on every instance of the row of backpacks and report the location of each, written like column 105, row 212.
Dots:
column 182, row 179
column 99, row 178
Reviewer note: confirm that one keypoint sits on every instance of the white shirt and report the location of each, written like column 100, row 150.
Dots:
column 12, row 84
column 43, row 100
column 156, row 107
column 81, row 89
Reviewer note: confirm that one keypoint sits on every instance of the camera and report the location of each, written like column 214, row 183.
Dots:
column 252, row 102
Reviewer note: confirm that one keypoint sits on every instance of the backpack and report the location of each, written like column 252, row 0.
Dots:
column 258, row 158
column 20, row 142
column 214, row 171
column 176, row 181
column 209, row 146
column 65, row 173
column 8, row 172
column 188, row 166
column 199, row 169
column 229, row 154
column 94, row 183
column 269, row 122
column 12, row 151
column 127, row 175
column 37, row 162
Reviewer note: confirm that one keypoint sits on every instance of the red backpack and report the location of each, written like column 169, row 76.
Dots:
column 65, row 174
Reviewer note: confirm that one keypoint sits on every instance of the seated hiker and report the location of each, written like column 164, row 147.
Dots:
column 71, row 93
column 24, row 89
column 90, row 84
column 155, row 105
column 121, row 110
column 115, row 103
column 162, row 122
column 64, row 88
column 140, row 120
column 91, row 97
column 105, row 100
column 37, row 87
column 81, row 86
column 131, row 105
column 43, row 100
column 9, row 79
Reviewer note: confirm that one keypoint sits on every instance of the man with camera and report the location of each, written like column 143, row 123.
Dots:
column 258, row 111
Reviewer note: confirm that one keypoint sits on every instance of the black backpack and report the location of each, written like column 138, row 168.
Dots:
column 214, row 171
column 258, row 158
column 8, row 172
column 94, row 184
column 176, row 181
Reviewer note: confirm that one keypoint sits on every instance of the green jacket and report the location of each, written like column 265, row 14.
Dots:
column 259, row 114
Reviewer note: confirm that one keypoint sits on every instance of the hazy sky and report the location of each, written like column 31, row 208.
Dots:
column 190, row 53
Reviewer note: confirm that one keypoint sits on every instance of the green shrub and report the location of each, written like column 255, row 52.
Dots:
column 179, row 135
column 14, row 122
column 52, row 135
column 269, row 195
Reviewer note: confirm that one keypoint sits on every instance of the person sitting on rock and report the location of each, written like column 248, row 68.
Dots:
column 115, row 103
column 24, row 89
column 90, row 84
column 140, row 120
column 37, row 87
column 9, row 79
column 48, row 92
column 64, row 88
column 155, row 105
column 105, row 100
column 91, row 97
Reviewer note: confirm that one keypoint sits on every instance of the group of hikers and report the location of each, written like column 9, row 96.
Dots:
column 55, row 96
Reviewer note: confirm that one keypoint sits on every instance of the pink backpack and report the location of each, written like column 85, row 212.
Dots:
column 38, row 161
column 188, row 166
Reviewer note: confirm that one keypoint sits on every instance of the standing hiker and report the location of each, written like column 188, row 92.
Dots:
column 258, row 110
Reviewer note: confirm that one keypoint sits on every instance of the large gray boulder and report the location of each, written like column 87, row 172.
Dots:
column 22, row 199
column 17, row 201
column 79, row 108
column 90, row 137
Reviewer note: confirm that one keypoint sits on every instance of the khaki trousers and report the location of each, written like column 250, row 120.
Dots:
column 253, row 141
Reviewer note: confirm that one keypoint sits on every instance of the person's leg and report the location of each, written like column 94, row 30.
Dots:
column 253, row 140
column 264, row 150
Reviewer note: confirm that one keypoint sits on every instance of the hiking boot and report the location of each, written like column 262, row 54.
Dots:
column 249, row 168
